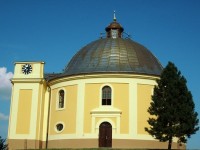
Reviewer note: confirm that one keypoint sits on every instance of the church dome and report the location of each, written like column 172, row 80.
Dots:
column 114, row 54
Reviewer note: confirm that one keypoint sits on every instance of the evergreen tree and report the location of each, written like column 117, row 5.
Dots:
column 172, row 108
column 3, row 145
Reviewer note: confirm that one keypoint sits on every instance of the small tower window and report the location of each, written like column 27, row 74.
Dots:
column 106, row 95
column 61, row 99
column 114, row 33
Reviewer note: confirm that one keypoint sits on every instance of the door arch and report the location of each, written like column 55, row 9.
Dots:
column 105, row 134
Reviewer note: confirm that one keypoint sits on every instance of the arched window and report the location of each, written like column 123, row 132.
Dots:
column 106, row 95
column 61, row 99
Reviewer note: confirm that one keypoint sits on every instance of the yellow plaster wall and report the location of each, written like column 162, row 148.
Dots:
column 92, row 97
column 66, row 115
column 121, row 101
column 144, row 99
column 24, row 112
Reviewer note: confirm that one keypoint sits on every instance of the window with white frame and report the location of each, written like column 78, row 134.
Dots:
column 106, row 95
column 61, row 99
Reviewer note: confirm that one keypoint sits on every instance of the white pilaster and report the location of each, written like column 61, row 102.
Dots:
column 133, row 108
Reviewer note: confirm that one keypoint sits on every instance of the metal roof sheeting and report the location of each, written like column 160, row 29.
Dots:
column 110, row 55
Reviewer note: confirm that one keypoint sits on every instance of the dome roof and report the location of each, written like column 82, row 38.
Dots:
column 113, row 55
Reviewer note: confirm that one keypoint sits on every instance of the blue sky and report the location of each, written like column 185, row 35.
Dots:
column 54, row 30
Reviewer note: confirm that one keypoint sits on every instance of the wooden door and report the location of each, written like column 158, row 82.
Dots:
column 105, row 135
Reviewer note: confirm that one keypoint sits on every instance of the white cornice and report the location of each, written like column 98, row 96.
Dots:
column 77, row 77
column 29, row 62
column 27, row 80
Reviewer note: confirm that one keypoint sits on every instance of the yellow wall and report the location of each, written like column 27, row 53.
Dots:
column 66, row 115
column 121, row 101
column 144, row 99
column 92, row 97
column 24, row 112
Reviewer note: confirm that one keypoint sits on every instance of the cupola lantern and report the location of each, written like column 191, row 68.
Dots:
column 114, row 30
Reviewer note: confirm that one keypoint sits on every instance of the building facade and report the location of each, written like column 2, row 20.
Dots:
column 99, row 100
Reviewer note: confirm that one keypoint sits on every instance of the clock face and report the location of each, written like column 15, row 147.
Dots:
column 26, row 69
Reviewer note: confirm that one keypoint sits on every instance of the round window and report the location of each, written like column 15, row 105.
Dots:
column 59, row 127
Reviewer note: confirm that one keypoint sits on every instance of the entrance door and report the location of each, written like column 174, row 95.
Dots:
column 105, row 135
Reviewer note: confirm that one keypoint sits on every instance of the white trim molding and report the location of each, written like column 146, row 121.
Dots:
column 106, row 113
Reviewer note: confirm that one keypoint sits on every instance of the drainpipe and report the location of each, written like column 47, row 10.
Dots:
column 47, row 132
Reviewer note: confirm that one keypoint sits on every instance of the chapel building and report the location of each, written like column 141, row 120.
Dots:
column 99, row 100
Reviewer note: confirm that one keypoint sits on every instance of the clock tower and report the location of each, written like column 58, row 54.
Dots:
column 27, row 103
